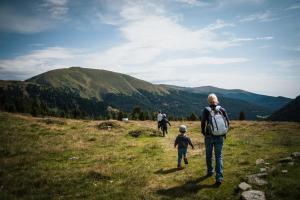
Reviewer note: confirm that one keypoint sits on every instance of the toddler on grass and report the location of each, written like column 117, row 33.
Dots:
column 182, row 140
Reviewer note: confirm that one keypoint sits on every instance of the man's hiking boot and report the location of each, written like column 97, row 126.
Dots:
column 186, row 161
column 218, row 183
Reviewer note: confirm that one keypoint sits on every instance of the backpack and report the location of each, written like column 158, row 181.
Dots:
column 217, row 124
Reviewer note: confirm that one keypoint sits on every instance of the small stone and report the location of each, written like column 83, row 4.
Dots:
column 244, row 186
column 267, row 163
column 287, row 159
column 253, row 195
column 256, row 180
column 291, row 163
column 259, row 161
column 261, row 175
column 295, row 154
column 263, row 169
column 74, row 158
column 284, row 171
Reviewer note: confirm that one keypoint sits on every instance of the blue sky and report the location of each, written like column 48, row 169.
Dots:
column 247, row 44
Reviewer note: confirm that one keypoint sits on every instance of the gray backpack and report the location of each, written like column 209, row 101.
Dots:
column 217, row 123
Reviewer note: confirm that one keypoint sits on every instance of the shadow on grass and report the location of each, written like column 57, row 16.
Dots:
column 188, row 188
column 167, row 171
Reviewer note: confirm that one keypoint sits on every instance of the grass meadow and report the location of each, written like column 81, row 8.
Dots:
column 54, row 158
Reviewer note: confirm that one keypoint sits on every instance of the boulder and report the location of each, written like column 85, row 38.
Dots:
column 259, row 161
column 253, row 195
column 295, row 154
column 244, row 186
column 263, row 169
column 256, row 180
column 291, row 163
column 284, row 171
column 284, row 160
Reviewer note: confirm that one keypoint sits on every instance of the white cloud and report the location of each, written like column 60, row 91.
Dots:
column 183, row 62
column 293, row 7
column 253, row 39
column 58, row 9
column 288, row 63
column 40, row 61
column 264, row 46
column 13, row 21
column 193, row 3
column 149, row 34
column 295, row 48
column 259, row 17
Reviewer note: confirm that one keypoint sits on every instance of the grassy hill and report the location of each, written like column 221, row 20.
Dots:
column 95, row 83
column 290, row 112
column 55, row 158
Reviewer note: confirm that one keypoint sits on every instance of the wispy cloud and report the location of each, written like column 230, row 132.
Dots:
column 253, row 39
column 265, row 16
column 292, row 48
column 149, row 34
column 293, row 7
column 58, row 9
column 193, row 3
column 287, row 63
column 40, row 61
column 13, row 21
column 200, row 61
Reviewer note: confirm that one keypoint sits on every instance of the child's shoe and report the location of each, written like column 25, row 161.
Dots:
column 186, row 161
column 179, row 167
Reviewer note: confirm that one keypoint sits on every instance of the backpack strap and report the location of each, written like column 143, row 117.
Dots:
column 208, row 108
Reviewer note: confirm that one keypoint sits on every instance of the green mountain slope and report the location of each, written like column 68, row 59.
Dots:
column 95, row 83
column 290, row 112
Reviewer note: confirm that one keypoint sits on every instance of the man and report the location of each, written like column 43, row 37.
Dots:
column 213, row 141
column 159, row 118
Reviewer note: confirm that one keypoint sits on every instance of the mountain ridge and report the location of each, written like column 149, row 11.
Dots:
column 106, row 88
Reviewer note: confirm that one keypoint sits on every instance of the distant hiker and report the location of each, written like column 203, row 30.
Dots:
column 214, row 126
column 164, row 124
column 182, row 140
column 159, row 118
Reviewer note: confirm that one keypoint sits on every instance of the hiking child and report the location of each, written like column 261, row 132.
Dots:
column 159, row 118
column 214, row 126
column 182, row 140
column 164, row 124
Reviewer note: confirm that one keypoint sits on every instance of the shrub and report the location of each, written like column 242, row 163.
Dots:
column 53, row 121
column 145, row 132
column 104, row 125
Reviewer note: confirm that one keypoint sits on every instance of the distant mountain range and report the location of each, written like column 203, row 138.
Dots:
column 89, row 92
column 290, row 112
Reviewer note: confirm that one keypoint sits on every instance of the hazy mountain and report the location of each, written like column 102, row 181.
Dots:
column 290, row 112
column 90, row 91
column 269, row 102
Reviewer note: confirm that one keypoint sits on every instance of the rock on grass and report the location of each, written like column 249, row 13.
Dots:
column 244, row 186
column 256, row 179
column 295, row 154
column 287, row 159
column 253, row 195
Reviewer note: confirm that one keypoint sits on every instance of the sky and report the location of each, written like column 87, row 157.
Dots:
column 252, row 45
